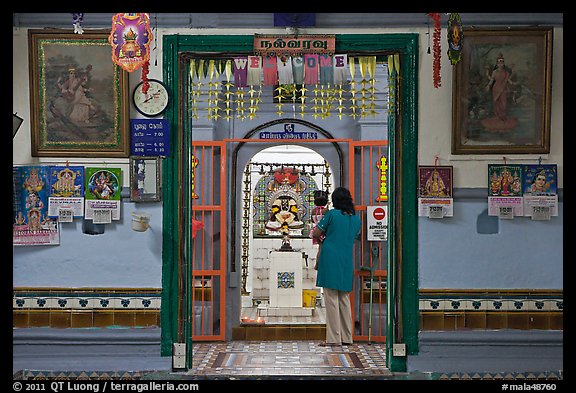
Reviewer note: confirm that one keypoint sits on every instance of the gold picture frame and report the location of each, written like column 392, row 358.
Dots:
column 501, row 92
column 78, row 96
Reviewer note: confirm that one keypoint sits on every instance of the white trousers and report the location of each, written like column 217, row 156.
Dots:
column 338, row 316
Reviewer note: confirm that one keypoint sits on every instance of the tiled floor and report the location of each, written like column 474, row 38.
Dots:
column 288, row 358
column 46, row 353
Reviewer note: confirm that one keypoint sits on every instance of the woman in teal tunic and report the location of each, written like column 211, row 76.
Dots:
column 341, row 226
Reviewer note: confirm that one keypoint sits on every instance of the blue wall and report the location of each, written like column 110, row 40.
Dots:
column 120, row 257
column 522, row 254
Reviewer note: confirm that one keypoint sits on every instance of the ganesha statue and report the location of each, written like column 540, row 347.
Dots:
column 284, row 205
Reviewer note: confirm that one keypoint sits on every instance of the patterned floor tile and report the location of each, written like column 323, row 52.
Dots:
column 287, row 358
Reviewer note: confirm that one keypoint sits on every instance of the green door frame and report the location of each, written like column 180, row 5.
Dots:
column 402, row 295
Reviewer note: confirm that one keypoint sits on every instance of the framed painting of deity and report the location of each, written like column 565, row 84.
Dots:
column 78, row 96
column 501, row 92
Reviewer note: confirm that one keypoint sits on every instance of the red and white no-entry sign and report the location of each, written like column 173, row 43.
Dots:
column 377, row 223
column 379, row 213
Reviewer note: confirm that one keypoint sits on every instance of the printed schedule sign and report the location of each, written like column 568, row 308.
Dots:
column 150, row 137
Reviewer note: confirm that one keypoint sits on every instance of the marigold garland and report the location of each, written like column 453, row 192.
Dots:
column 436, row 38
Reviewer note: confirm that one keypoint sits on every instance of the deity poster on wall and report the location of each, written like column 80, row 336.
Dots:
column 505, row 190
column 130, row 38
column 541, row 189
column 435, row 185
column 31, row 225
column 103, row 189
column 66, row 192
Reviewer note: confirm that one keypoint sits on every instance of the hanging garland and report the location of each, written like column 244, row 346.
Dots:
column 436, row 39
column 145, row 71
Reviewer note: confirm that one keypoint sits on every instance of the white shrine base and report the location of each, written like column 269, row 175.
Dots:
column 285, row 277
column 264, row 311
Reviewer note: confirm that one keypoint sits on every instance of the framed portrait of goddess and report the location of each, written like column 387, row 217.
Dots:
column 78, row 96
column 502, row 91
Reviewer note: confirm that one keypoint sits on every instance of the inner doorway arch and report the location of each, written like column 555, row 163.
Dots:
column 305, row 171
column 357, row 161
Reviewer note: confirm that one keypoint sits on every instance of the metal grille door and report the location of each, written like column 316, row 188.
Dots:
column 368, row 185
column 208, row 240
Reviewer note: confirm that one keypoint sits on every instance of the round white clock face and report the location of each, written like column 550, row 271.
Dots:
column 154, row 102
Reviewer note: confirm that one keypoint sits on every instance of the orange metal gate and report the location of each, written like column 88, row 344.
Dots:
column 208, row 243
column 209, row 251
column 368, row 173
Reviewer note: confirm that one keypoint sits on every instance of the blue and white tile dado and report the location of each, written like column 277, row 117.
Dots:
column 86, row 302
column 491, row 305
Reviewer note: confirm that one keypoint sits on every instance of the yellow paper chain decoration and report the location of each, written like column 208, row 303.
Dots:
column 211, row 82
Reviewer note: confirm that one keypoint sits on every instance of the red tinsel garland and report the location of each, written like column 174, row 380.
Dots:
column 436, row 36
column 145, row 70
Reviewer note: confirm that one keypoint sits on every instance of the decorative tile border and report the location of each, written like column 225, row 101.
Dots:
column 544, row 375
column 439, row 308
column 79, row 375
column 491, row 300
column 85, row 307
column 447, row 309
column 86, row 299
column 491, row 305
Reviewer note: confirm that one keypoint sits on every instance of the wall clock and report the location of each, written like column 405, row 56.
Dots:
column 154, row 102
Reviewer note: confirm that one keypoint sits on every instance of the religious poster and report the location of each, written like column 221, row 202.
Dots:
column 505, row 190
column 66, row 192
column 540, row 191
column 130, row 38
column 32, row 226
column 103, row 194
column 435, row 188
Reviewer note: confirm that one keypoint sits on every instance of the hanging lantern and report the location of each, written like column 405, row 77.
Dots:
column 455, row 37
column 130, row 39
column 77, row 19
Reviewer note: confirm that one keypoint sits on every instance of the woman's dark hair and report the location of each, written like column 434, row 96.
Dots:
column 320, row 198
column 342, row 200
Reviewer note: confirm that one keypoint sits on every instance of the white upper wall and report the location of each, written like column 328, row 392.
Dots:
column 434, row 105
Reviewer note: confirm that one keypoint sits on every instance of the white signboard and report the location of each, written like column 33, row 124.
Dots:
column 435, row 207
column 505, row 207
column 377, row 223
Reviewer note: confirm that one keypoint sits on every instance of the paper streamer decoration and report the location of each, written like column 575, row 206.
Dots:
column 326, row 70
column 298, row 69
column 340, row 69
column 284, row 64
column 240, row 71
column 270, row 71
column 310, row 69
column 255, row 72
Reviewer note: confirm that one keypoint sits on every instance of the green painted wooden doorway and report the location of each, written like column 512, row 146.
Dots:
column 402, row 279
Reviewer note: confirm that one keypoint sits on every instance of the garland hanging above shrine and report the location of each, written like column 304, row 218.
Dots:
column 318, row 84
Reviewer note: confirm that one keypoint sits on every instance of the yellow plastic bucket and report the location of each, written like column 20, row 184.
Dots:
column 308, row 298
